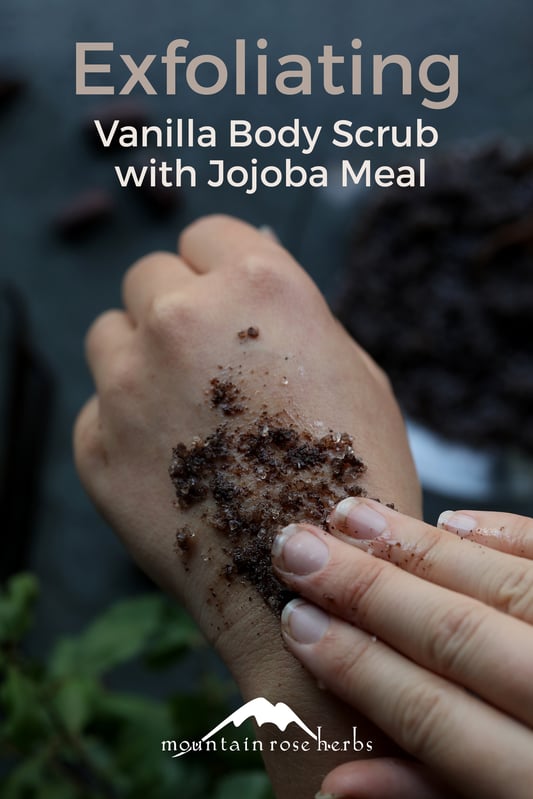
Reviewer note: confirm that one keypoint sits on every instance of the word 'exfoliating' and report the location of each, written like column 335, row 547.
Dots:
column 208, row 74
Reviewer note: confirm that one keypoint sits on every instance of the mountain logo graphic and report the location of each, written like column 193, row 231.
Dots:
column 264, row 712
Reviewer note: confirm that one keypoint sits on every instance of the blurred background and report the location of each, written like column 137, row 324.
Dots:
column 69, row 231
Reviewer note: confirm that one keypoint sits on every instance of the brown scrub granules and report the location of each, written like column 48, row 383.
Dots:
column 439, row 290
column 251, row 332
column 225, row 396
column 259, row 477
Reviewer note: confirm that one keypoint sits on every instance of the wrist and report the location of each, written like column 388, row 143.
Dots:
column 262, row 667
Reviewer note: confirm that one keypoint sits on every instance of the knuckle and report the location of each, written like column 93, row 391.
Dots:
column 356, row 595
column 96, row 335
column 519, row 535
column 421, row 555
column 170, row 317
column 203, row 223
column 451, row 635
column 122, row 380
column 208, row 226
column 141, row 265
column 419, row 717
column 514, row 594
column 520, row 528
column 258, row 272
column 346, row 664
column 86, row 437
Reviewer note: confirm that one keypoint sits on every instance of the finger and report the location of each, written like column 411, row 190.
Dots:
column 218, row 242
column 89, row 451
column 109, row 334
column 437, row 722
column 503, row 581
column 441, row 630
column 390, row 777
column 505, row 532
column 153, row 276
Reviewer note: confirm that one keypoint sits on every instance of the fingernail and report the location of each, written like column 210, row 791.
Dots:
column 358, row 519
column 304, row 623
column 297, row 551
column 458, row 523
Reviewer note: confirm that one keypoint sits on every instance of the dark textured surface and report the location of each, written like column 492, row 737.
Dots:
column 439, row 290
column 45, row 160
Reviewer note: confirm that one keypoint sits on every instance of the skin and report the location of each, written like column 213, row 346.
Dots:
column 152, row 363
column 465, row 621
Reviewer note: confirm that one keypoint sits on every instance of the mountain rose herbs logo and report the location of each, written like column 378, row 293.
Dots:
column 264, row 712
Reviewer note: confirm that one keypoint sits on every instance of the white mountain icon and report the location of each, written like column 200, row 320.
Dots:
column 264, row 712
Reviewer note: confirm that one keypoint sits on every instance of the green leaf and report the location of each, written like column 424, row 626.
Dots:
column 132, row 711
column 35, row 779
column 25, row 723
column 136, row 726
column 73, row 701
column 117, row 636
column 100, row 753
column 251, row 784
column 25, row 780
column 196, row 713
column 176, row 636
column 60, row 790
column 16, row 607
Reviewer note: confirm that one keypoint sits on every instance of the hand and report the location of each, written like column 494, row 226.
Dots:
column 153, row 366
column 437, row 652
